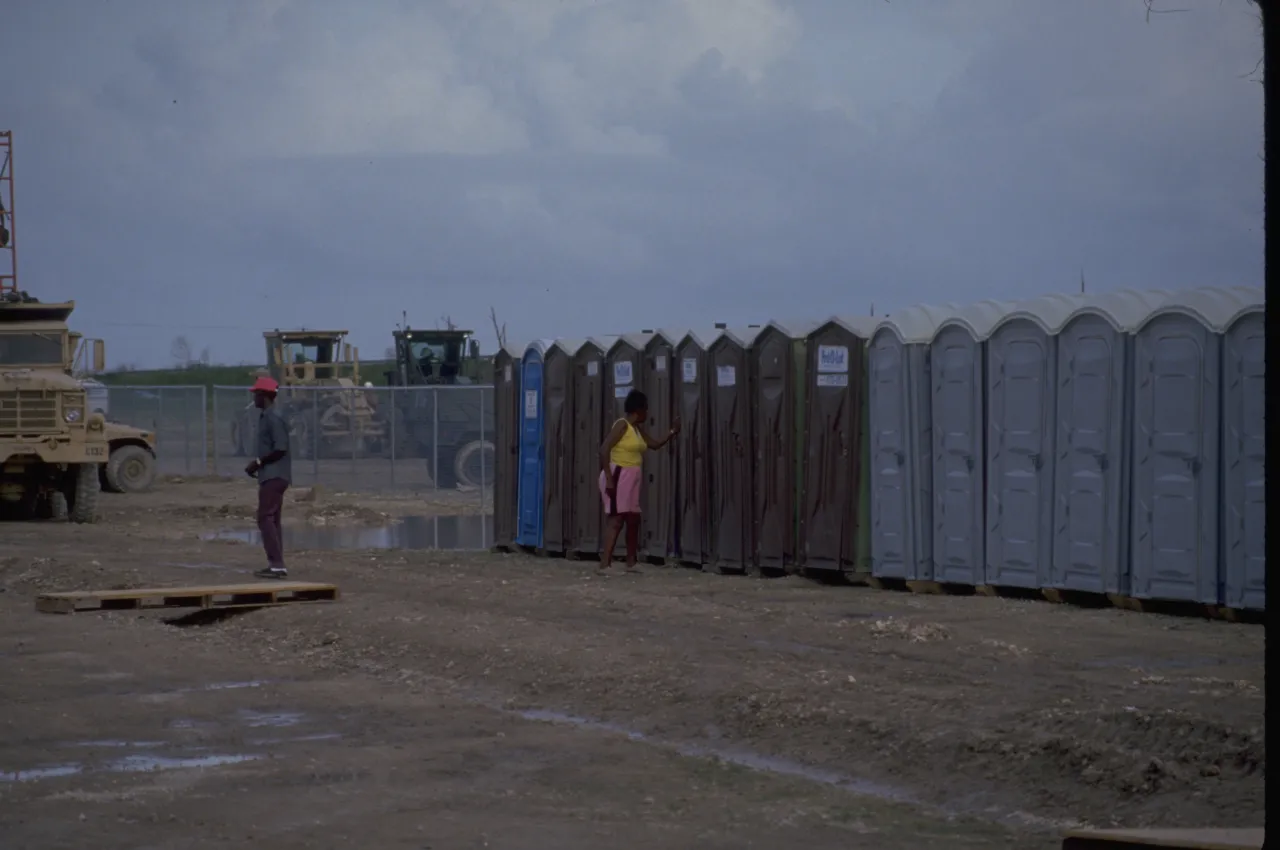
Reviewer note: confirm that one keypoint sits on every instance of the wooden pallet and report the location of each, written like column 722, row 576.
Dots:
column 1171, row 839
column 250, row 595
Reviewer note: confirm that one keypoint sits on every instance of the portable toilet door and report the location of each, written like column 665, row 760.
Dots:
column 558, row 430
column 589, row 431
column 693, row 449
column 774, row 456
column 831, row 443
column 532, row 447
column 506, row 461
column 1021, row 382
column 1176, row 445
column 900, row 446
column 626, row 365
column 1244, row 442
column 958, row 406
column 732, row 534
column 657, row 518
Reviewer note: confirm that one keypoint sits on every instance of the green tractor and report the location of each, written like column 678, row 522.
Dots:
column 452, row 428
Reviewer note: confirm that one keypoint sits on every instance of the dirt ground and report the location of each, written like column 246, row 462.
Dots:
column 481, row 700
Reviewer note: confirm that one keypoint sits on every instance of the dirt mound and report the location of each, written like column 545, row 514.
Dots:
column 51, row 575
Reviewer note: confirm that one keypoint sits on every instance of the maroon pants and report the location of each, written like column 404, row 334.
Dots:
column 270, row 501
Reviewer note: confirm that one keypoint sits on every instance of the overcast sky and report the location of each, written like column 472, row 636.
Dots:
column 214, row 169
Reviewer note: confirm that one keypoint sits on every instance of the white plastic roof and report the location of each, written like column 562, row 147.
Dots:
column 637, row 340
column 540, row 346
column 1218, row 307
column 794, row 328
column 743, row 336
column 671, row 335
column 702, row 336
column 569, row 346
column 916, row 325
column 604, row 343
column 859, row 326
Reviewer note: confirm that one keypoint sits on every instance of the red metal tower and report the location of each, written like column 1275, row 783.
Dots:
column 8, row 239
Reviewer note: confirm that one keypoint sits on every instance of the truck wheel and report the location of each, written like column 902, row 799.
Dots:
column 444, row 473
column 81, row 492
column 130, row 469
column 473, row 465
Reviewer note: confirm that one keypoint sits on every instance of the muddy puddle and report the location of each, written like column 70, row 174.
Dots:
column 464, row 533
column 126, row 764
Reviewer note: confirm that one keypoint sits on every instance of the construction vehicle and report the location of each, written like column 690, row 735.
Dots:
column 131, row 459
column 452, row 429
column 330, row 414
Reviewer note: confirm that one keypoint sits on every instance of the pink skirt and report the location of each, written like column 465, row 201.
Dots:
column 627, row 498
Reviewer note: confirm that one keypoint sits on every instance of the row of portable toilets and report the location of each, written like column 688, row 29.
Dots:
column 1106, row 444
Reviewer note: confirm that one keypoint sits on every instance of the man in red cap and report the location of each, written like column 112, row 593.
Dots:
column 271, row 466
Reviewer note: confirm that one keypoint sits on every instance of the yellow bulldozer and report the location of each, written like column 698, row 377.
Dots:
column 330, row 414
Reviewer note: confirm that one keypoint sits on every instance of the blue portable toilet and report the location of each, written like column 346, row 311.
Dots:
column 533, row 452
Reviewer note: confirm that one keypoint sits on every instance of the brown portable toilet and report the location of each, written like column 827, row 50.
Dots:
column 774, row 410
column 729, row 376
column 588, row 434
column 625, row 373
column 506, row 458
column 692, row 402
column 832, row 501
column 558, row 438
column 657, row 523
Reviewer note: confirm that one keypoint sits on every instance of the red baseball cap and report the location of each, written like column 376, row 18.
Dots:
column 265, row 385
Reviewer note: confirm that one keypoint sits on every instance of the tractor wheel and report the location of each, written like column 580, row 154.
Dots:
column 130, row 469
column 444, row 474
column 473, row 464
column 81, row 492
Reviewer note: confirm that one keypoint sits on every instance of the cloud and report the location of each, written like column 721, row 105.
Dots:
column 592, row 165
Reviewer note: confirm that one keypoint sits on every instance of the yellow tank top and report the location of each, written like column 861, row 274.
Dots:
column 630, row 449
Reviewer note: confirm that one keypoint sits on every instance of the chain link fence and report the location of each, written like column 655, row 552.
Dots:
column 178, row 416
column 369, row 438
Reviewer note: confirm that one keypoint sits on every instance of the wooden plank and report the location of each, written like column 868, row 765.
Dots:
column 1172, row 839
column 251, row 595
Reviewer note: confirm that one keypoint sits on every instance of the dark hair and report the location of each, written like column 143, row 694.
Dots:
column 636, row 402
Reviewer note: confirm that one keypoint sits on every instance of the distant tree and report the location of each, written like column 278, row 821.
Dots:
column 500, row 331
column 180, row 351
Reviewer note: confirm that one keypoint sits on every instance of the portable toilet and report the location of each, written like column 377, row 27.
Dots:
column 900, row 444
column 589, row 430
column 559, row 427
column 626, row 366
column 693, row 451
column 1177, row 420
column 1021, row 406
column 732, row 534
column 1092, row 436
column 774, row 514
column 532, row 446
column 833, row 493
column 957, row 373
column 506, row 457
column 1244, row 444
column 657, row 518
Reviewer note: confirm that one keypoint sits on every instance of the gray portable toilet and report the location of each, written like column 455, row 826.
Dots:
column 957, row 373
column 589, row 430
column 1021, row 407
column 900, row 451
column 657, row 518
column 1177, row 420
column 1244, row 443
column 558, row 428
column 732, row 534
column 1092, row 429
column 692, row 404
column 625, row 371
column 506, row 457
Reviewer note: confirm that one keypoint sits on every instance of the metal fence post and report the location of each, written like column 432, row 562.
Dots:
column 204, row 430
column 315, row 436
column 482, row 464
column 216, row 465
column 435, row 438
column 391, row 433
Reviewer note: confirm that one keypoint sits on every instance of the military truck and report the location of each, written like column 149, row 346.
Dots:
column 53, row 450
column 329, row 414
column 451, row 435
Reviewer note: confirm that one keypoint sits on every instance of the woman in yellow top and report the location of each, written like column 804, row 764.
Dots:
column 621, row 455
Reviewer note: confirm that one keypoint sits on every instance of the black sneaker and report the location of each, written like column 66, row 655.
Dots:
column 272, row 572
